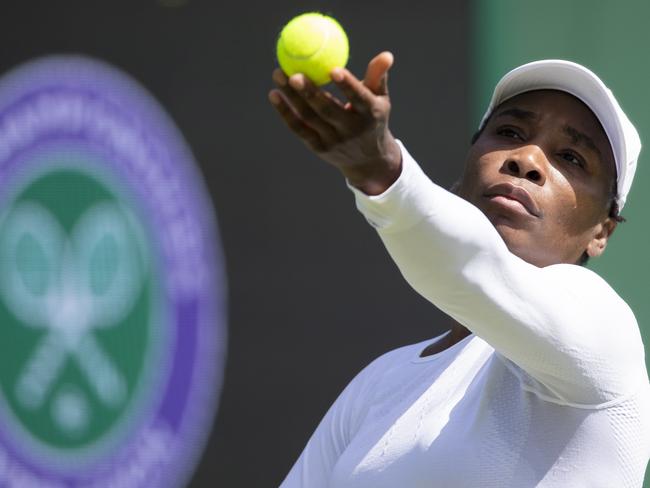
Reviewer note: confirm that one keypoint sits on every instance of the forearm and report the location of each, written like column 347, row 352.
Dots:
column 377, row 175
column 444, row 230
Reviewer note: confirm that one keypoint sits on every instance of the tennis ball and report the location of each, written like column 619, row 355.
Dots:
column 312, row 44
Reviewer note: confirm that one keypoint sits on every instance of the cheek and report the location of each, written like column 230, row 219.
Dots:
column 477, row 166
column 560, row 199
column 572, row 208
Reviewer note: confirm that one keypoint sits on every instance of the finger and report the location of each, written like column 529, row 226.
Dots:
column 279, row 77
column 308, row 135
column 322, row 102
column 327, row 133
column 376, row 78
column 360, row 97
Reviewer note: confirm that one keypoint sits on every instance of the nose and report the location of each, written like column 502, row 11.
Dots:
column 527, row 162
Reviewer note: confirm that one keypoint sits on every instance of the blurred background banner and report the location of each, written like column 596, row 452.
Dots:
column 611, row 38
column 313, row 296
column 111, row 293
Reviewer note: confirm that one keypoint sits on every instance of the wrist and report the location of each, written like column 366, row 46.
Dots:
column 376, row 177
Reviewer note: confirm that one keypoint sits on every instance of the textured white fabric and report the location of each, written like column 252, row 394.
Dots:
column 549, row 390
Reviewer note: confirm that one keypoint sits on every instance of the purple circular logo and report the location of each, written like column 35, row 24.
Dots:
column 112, row 306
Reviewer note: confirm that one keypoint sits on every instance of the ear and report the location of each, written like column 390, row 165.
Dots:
column 598, row 243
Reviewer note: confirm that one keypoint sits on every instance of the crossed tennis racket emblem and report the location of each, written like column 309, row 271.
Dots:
column 70, row 285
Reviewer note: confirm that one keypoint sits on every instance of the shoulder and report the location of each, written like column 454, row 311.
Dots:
column 396, row 358
column 390, row 364
column 381, row 375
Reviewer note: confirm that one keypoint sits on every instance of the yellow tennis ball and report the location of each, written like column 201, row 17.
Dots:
column 312, row 44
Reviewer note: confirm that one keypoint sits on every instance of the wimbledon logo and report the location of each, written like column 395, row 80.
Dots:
column 111, row 298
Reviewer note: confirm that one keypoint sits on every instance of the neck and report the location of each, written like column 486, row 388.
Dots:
column 458, row 332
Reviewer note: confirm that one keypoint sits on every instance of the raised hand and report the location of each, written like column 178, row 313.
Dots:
column 354, row 137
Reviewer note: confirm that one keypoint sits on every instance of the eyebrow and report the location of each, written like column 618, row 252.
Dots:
column 581, row 138
column 518, row 113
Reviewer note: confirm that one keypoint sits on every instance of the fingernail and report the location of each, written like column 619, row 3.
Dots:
column 296, row 82
column 279, row 78
column 337, row 74
column 274, row 98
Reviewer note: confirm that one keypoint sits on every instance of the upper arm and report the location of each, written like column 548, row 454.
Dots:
column 562, row 324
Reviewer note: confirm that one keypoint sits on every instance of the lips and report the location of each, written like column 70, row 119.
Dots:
column 510, row 192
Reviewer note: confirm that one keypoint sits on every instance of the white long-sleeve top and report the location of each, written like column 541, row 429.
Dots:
column 549, row 390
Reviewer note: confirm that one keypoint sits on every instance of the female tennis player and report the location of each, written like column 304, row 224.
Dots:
column 541, row 380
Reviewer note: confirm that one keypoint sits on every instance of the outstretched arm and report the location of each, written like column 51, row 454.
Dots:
column 577, row 341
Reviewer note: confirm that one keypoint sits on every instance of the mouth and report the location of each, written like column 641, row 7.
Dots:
column 514, row 198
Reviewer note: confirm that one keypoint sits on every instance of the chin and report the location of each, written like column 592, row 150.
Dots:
column 514, row 237
column 516, row 231
column 519, row 242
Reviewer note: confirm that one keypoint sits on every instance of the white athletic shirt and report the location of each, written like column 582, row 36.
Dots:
column 549, row 390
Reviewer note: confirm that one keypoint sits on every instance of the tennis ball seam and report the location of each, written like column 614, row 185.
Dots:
column 328, row 34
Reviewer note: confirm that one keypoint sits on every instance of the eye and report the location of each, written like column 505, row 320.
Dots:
column 509, row 132
column 572, row 158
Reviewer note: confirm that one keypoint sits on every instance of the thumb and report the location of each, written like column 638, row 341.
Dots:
column 376, row 78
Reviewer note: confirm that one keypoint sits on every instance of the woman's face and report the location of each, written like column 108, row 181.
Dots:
column 542, row 172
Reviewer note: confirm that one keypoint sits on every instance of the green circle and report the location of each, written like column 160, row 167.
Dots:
column 72, row 415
